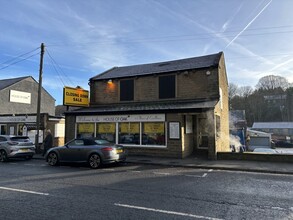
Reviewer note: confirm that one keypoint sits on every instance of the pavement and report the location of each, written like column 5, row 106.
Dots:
column 203, row 163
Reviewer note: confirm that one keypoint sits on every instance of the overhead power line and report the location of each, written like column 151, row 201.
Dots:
column 171, row 38
column 11, row 60
column 55, row 65
column 19, row 61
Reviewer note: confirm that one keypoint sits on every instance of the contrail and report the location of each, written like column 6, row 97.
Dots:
column 248, row 24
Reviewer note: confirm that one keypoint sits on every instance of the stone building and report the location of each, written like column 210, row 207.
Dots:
column 168, row 109
column 18, row 110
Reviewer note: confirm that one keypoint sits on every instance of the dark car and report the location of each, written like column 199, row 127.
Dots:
column 84, row 150
column 280, row 143
column 16, row 147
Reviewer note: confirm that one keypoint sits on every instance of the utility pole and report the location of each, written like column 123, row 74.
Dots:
column 39, row 97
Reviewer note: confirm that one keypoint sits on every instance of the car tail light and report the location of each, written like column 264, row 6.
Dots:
column 12, row 142
column 107, row 149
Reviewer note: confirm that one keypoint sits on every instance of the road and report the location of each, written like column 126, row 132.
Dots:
column 34, row 190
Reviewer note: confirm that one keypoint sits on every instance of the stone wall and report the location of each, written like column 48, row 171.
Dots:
column 30, row 86
column 193, row 84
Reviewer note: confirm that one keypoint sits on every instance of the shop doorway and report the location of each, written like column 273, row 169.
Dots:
column 12, row 130
column 3, row 129
column 202, row 133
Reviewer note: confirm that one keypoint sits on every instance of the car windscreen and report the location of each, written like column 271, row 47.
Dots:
column 101, row 141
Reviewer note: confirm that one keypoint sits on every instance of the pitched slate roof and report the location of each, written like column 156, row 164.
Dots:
column 151, row 106
column 8, row 82
column 161, row 67
column 272, row 125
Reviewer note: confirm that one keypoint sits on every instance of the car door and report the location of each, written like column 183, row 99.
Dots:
column 72, row 151
column 3, row 143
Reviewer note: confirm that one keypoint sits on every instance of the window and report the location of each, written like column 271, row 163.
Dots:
column 129, row 133
column 127, row 90
column 76, row 143
column 85, row 130
column 106, row 131
column 153, row 133
column 3, row 129
column 167, row 87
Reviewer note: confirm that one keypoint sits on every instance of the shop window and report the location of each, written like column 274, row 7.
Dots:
column 129, row 133
column 127, row 90
column 106, row 131
column 153, row 133
column 85, row 130
column 286, row 131
column 167, row 87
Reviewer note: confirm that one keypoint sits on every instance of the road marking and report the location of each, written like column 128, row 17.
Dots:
column 165, row 211
column 25, row 191
column 106, row 169
column 133, row 171
column 29, row 164
column 211, row 170
column 278, row 208
column 198, row 176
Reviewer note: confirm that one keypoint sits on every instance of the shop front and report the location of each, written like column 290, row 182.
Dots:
column 171, row 134
column 26, row 125
column 129, row 130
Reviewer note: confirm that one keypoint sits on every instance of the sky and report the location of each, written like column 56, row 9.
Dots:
column 83, row 38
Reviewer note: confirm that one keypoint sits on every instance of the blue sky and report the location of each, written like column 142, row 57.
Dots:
column 85, row 38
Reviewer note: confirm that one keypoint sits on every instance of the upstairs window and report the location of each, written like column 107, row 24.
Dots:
column 127, row 90
column 167, row 87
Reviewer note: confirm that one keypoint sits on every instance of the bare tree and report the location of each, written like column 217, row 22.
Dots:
column 232, row 90
column 271, row 82
column 245, row 91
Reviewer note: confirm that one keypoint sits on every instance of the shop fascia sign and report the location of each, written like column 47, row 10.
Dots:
column 11, row 119
column 20, row 97
column 75, row 96
column 121, row 118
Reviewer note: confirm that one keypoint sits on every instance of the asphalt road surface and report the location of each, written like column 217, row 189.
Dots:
column 34, row 190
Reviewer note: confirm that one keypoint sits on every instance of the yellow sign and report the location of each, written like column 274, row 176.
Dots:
column 106, row 128
column 75, row 96
column 86, row 128
column 156, row 127
column 130, row 128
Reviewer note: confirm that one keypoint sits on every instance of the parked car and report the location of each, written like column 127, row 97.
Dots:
column 279, row 143
column 16, row 147
column 95, row 152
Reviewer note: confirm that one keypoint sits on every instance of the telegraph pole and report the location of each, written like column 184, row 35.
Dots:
column 39, row 97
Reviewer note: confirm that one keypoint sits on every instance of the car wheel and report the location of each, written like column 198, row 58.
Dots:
column 94, row 161
column 3, row 156
column 53, row 159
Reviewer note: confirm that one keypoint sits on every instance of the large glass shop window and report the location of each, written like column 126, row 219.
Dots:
column 106, row 131
column 85, row 130
column 153, row 133
column 129, row 133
